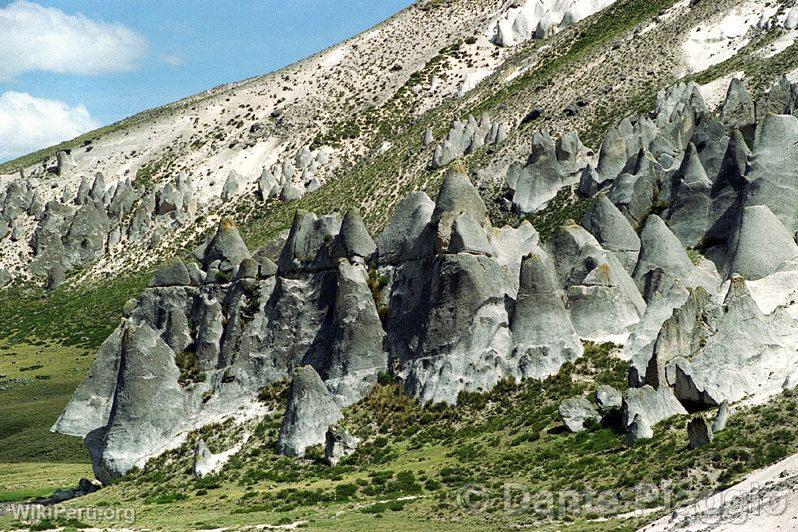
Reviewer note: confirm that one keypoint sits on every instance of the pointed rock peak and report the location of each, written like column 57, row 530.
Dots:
column 226, row 246
column 542, row 145
column 774, row 130
column 458, row 195
column 692, row 170
column 738, row 108
column 402, row 238
column 354, row 238
column 537, row 275
column 738, row 289
column 569, row 146
column 309, row 243
column 612, row 154
column 733, row 168
column 761, row 244
column 309, row 413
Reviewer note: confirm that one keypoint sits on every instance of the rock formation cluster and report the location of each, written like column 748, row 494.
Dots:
column 687, row 258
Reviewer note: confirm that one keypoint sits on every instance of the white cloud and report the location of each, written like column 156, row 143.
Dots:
column 28, row 123
column 172, row 59
column 33, row 37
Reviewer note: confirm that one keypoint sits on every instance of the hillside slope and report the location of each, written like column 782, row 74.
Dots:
column 462, row 364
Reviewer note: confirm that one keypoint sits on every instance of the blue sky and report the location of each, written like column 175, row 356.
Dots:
column 68, row 66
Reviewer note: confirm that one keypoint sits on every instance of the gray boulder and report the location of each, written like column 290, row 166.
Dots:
column 652, row 405
column 338, row 444
column 232, row 185
column 310, row 412
column 449, row 327
column 227, row 246
column 638, row 430
column 608, row 398
column 202, row 460
column 699, row 432
column 660, row 249
column 577, row 411
column 171, row 274
column 292, row 191
column 268, row 185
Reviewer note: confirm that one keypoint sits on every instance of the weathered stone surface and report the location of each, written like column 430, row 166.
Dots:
column 356, row 346
column 613, row 231
column 468, row 236
column 408, row 234
column 638, row 430
column 608, row 398
column 691, row 212
column 538, row 181
column 603, row 301
column 292, row 191
column 90, row 406
column 771, row 169
column 171, row 274
column 227, row 246
column 509, row 246
column 699, row 432
column 577, row 411
column 338, row 444
column 310, row 412
column 652, row 405
column 543, row 337
column 232, row 185
column 147, row 408
column 457, row 195
column 639, row 347
column 760, row 244
column 721, row 418
column 309, row 244
column 738, row 109
column 448, row 326
column 660, row 249
column 353, row 240
column 202, row 460
column 744, row 353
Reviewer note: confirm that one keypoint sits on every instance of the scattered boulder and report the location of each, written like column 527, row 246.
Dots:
column 699, row 432
column 639, row 429
column 339, row 443
column 577, row 411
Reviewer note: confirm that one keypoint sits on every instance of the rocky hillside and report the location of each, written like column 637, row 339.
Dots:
column 608, row 266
